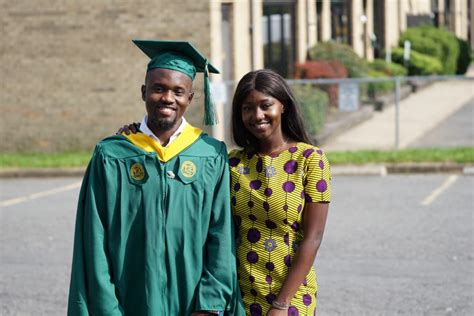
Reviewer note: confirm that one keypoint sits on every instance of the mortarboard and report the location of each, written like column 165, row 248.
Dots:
column 185, row 58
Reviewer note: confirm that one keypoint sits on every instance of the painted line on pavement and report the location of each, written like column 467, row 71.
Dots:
column 439, row 190
column 41, row 194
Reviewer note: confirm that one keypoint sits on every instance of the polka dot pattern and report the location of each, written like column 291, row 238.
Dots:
column 269, row 194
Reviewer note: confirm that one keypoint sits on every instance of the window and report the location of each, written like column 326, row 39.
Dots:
column 341, row 21
column 279, row 36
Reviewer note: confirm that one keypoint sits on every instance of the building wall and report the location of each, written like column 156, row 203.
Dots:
column 396, row 17
column 71, row 68
column 418, row 7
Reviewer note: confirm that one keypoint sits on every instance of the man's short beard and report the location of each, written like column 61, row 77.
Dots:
column 163, row 124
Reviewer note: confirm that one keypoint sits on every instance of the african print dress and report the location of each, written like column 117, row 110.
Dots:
column 268, row 196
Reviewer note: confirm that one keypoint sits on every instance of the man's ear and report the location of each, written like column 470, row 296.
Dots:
column 143, row 92
column 190, row 98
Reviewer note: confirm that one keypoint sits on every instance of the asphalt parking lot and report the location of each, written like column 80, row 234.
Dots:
column 394, row 245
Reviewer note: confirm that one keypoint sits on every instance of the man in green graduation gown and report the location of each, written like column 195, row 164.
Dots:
column 154, row 233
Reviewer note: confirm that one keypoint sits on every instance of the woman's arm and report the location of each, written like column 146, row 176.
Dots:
column 314, row 221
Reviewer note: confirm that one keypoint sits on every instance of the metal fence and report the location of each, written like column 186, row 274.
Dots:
column 378, row 113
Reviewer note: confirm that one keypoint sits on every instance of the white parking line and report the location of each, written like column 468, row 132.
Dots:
column 443, row 187
column 38, row 195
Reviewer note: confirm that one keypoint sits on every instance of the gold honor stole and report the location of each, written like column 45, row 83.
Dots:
column 187, row 137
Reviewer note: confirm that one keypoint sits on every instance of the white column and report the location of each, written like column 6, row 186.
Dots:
column 326, row 20
column 402, row 16
column 241, row 44
column 257, row 34
column 391, row 21
column 312, row 25
column 357, row 28
column 459, row 16
column 301, row 28
column 369, row 27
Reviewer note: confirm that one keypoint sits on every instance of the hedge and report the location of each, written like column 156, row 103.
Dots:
column 464, row 58
column 313, row 103
column 375, row 88
column 435, row 42
column 419, row 64
column 389, row 69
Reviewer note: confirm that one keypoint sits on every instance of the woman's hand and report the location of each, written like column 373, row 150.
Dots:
column 127, row 129
column 277, row 312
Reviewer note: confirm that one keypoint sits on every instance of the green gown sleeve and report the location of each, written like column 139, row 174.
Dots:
column 218, row 281
column 91, row 290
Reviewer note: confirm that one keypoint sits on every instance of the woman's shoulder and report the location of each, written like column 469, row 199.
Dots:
column 308, row 150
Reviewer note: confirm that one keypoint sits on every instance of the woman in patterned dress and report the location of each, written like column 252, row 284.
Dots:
column 279, row 194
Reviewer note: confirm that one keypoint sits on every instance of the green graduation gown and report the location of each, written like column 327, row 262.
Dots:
column 154, row 237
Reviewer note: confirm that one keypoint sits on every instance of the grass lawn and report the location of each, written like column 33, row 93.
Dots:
column 44, row 160
column 440, row 155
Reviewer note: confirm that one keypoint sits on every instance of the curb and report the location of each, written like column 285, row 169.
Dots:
column 402, row 168
column 42, row 172
column 358, row 170
column 425, row 168
column 336, row 170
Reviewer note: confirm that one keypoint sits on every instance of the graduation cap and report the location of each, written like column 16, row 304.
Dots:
column 183, row 57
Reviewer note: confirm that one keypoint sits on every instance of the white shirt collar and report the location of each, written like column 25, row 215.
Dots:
column 147, row 131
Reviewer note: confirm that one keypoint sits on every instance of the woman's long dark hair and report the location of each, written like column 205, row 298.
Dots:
column 272, row 84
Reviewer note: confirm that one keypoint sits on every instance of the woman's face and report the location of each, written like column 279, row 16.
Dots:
column 261, row 115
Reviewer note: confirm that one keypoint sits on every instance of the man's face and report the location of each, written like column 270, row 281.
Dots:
column 167, row 94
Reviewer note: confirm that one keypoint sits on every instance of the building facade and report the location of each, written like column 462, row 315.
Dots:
column 277, row 33
column 72, row 64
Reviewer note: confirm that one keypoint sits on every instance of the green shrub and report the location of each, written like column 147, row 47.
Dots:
column 375, row 88
column 389, row 69
column 313, row 103
column 435, row 42
column 464, row 58
column 381, row 68
column 419, row 64
column 356, row 66
column 421, row 43
column 449, row 44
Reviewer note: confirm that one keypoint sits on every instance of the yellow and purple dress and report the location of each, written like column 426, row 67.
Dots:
column 268, row 195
